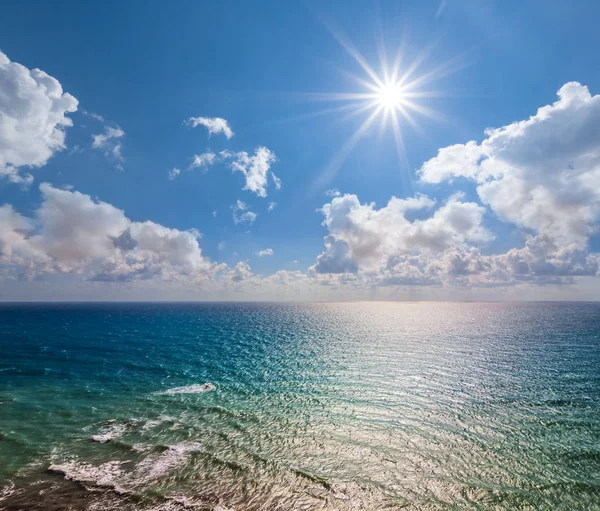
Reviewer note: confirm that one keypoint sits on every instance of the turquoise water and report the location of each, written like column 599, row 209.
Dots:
column 312, row 406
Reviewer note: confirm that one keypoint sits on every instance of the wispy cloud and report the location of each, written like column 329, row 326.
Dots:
column 441, row 8
column 93, row 115
column 265, row 252
column 241, row 214
column 110, row 142
column 203, row 160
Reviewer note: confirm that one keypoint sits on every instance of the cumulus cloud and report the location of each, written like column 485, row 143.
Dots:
column 110, row 141
column 72, row 233
column 241, row 272
column 241, row 214
column 337, row 258
column 334, row 192
column 33, row 119
column 214, row 125
column 265, row 252
column 361, row 236
column 255, row 168
column 541, row 174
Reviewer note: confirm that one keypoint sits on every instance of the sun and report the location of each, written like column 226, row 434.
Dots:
column 390, row 96
column 396, row 95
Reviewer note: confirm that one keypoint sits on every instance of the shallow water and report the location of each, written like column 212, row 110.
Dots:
column 314, row 406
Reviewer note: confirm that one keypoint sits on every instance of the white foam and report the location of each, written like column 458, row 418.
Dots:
column 112, row 475
column 189, row 389
column 7, row 491
column 141, row 447
column 107, row 474
column 156, row 466
column 109, row 433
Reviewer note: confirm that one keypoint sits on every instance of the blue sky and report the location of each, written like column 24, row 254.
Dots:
column 147, row 68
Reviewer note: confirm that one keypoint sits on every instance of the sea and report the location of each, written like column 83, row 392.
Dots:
column 300, row 406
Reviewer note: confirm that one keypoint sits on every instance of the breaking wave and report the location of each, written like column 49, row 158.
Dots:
column 189, row 389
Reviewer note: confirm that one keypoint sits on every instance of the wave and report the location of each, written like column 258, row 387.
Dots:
column 189, row 389
column 110, row 433
column 176, row 455
column 113, row 474
column 106, row 475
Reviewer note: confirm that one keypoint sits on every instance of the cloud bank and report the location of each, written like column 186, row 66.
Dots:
column 72, row 233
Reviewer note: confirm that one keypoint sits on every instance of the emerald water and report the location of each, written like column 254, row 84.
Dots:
column 478, row 406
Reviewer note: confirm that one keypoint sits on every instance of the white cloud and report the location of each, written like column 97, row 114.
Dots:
column 72, row 233
column 203, row 160
column 241, row 272
column 276, row 181
column 337, row 257
column 214, row 125
column 271, row 206
column 241, row 214
column 110, row 142
column 174, row 172
column 334, row 192
column 93, row 115
column 543, row 173
column 265, row 252
column 255, row 168
column 361, row 236
column 383, row 248
column 33, row 118
column 455, row 160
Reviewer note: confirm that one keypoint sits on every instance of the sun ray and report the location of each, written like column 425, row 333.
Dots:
column 358, row 111
column 401, row 153
column 396, row 96
column 423, row 110
column 352, row 50
column 335, row 96
column 344, row 151
column 353, row 108
column 411, row 120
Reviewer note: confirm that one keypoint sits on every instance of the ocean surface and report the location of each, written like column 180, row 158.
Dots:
column 370, row 406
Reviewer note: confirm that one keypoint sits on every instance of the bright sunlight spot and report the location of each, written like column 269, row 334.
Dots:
column 390, row 96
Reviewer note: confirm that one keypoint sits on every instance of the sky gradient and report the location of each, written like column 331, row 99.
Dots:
column 299, row 151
